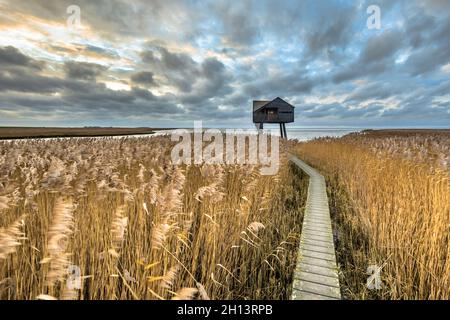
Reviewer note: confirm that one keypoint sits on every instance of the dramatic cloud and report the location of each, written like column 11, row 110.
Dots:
column 375, row 57
column 144, row 77
column 434, row 54
column 83, row 70
column 12, row 57
column 381, row 47
column 167, row 63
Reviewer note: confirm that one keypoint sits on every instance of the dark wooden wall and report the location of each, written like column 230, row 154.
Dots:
column 285, row 114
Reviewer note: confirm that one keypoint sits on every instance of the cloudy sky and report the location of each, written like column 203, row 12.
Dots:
column 168, row 62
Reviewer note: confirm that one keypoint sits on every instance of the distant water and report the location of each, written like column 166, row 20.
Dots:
column 301, row 134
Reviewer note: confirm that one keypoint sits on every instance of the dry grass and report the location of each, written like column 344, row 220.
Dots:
column 140, row 228
column 390, row 196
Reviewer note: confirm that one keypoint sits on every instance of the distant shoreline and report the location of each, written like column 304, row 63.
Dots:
column 7, row 133
column 22, row 133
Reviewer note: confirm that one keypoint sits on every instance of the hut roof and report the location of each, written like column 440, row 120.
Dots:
column 259, row 104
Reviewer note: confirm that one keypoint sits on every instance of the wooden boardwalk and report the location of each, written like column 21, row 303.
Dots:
column 316, row 274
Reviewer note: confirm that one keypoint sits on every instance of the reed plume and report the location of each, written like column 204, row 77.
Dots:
column 58, row 240
column 10, row 238
column 119, row 227
column 185, row 294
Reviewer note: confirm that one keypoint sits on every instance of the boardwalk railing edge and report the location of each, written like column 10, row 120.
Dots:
column 316, row 274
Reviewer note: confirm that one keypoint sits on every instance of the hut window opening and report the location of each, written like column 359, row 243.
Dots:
column 272, row 114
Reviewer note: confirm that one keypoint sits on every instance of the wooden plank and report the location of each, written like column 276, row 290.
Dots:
column 318, row 220
column 318, row 255
column 310, row 222
column 302, row 295
column 316, row 243
column 316, row 274
column 319, row 233
column 312, row 277
column 315, row 228
column 316, row 288
column 304, row 258
column 327, row 239
column 322, row 271
column 315, row 248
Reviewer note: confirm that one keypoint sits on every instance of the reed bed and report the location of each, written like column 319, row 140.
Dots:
column 390, row 194
column 106, row 218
